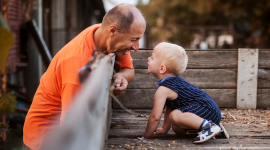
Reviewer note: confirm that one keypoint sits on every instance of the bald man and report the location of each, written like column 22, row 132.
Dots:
column 120, row 31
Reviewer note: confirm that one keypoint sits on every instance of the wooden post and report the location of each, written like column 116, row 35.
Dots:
column 247, row 78
column 58, row 25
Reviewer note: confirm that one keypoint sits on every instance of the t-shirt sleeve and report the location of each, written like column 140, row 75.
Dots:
column 124, row 62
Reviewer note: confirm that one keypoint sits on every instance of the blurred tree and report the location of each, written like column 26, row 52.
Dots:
column 245, row 15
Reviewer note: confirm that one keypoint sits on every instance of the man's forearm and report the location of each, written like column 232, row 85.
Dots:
column 127, row 73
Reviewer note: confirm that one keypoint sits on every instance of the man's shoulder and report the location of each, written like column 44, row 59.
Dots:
column 92, row 27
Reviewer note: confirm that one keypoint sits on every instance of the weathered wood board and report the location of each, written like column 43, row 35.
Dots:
column 201, row 78
column 201, row 59
column 247, row 79
column 264, row 56
column 225, row 98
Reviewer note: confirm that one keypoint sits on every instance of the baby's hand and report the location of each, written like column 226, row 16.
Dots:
column 160, row 131
column 145, row 138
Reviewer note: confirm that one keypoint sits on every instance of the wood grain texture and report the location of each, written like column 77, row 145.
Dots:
column 247, row 79
column 263, row 98
column 263, row 78
column 226, row 98
column 204, row 59
column 196, row 59
column 202, row 78
column 264, row 57
column 144, row 98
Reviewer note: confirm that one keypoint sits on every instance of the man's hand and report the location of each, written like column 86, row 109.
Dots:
column 120, row 84
column 160, row 131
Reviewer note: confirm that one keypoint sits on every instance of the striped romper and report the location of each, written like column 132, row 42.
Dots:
column 191, row 99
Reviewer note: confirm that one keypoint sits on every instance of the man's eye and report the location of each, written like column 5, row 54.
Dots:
column 133, row 40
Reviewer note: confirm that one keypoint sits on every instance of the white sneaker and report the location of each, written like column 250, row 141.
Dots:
column 208, row 131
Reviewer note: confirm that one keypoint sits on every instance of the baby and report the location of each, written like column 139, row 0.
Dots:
column 187, row 107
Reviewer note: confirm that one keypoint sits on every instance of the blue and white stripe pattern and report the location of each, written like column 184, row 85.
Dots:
column 191, row 99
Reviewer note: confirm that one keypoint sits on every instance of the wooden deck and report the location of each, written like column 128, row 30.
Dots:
column 250, row 130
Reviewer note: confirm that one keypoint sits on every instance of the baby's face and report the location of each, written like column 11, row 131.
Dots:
column 154, row 62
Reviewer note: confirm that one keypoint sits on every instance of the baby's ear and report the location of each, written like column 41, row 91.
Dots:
column 162, row 69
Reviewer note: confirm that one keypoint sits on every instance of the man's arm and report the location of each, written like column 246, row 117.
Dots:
column 121, row 80
column 127, row 73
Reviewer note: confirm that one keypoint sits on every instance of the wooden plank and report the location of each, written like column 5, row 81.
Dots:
column 263, row 78
column 204, row 59
column 264, row 62
column 263, row 98
column 107, row 116
column 137, row 98
column 226, row 98
column 144, row 98
column 196, row 59
column 86, row 125
column 247, row 79
column 202, row 78
column 233, row 130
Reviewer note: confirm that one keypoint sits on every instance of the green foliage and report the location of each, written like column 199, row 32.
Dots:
column 7, row 103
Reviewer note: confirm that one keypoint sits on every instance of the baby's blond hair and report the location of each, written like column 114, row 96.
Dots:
column 174, row 57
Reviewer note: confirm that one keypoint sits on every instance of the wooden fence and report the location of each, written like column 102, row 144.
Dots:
column 214, row 71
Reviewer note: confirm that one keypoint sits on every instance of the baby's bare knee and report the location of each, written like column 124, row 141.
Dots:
column 174, row 115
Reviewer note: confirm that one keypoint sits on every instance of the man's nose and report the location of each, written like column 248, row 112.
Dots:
column 135, row 45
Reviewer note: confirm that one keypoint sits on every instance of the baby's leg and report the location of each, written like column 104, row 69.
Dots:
column 181, row 122
column 179, row 130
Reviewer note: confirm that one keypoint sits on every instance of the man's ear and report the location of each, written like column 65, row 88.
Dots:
column 162, row 69
column 112, row 30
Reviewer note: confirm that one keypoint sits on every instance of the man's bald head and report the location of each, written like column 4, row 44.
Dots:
column 123, row 15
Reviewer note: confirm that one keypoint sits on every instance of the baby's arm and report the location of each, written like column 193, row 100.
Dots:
column 153, row 121
column 166, row 124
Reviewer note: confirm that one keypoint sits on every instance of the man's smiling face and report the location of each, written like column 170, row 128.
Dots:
column 121, row 43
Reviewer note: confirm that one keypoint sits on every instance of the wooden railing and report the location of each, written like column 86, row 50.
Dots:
column 88, row 122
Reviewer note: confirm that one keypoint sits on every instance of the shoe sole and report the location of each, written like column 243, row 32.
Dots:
column 225, row 131
column 209, row 137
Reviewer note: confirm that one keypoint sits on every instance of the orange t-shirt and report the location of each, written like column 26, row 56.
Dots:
column 58, row 85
